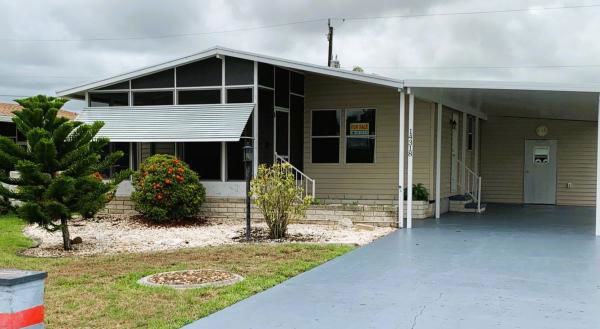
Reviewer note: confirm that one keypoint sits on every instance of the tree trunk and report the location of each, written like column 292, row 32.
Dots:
column 65, row 234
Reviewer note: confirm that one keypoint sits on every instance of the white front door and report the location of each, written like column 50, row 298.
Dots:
column 454, row 164
column 540, row 172
column 282, row 133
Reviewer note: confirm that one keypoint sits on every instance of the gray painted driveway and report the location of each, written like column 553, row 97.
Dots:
column 512, row 267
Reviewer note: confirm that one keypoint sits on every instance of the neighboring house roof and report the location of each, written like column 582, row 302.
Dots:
column 189, row 123
column 7, row 112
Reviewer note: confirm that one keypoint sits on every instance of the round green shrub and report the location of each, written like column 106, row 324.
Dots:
column 165, row 188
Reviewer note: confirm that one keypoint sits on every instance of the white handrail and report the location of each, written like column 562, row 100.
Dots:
column 306, row 183
column 472, row 183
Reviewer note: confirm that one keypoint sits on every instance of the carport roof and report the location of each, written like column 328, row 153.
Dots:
column 521, row 99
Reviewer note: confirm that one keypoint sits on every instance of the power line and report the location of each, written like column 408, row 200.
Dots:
column 477, row 67
column 480, row 12
column 300, row 22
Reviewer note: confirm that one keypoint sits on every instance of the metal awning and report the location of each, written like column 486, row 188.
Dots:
column 180, row 123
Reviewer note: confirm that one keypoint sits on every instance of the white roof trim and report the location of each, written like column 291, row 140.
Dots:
column 174, row 123
column 318, row 69
column 506, row 85
column 5, row 118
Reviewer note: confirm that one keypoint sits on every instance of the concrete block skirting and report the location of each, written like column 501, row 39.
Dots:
column 329, row 213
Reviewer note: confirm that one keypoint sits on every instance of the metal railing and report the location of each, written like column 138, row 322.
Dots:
column 470, row 183
column 305, row 183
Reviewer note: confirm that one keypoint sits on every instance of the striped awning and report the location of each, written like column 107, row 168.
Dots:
column 181, row 123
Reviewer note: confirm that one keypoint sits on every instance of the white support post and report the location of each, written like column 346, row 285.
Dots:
column 401, row 160
column 598, row 173
column 438, row 161
column 476, row 147
column 255, row 123
column 410, row 155
column 463, row 154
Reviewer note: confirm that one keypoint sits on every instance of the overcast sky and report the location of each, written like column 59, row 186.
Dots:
column 44, row 46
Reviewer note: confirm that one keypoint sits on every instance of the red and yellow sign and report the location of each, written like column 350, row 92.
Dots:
column 359, row 128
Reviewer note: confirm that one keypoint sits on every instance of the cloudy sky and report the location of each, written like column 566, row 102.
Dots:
column 47, row 45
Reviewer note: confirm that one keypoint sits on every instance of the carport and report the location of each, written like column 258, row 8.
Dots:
column 515, row 266
column 542, row 111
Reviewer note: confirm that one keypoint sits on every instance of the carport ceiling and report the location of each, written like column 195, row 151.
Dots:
column 553, row 104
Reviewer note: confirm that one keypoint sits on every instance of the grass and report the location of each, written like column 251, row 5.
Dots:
column 101, row 291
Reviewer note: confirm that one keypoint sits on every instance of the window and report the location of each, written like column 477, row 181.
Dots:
column 8, row 129
column 282, row 88
column 123, row 162
column 265, row 75
column 153, row 98
column 163, row 79
column 204, row 158
column 199, row 96
column 200, row 74
column 108, row 99
column 325, row 136
column 238, row 71
column 360, row 136
column 239, row 95
column 297, row 83
column 235, row 163
column 470, row 129
column 119, row 85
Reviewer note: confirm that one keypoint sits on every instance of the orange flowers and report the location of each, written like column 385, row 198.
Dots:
column 179, row 179
column 170, row 170
column 158, row 197
column 97, row 176
column 168, row 181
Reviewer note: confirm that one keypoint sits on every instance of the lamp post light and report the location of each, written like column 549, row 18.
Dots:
column 248, row 157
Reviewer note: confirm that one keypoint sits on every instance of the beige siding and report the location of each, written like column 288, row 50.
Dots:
column 368, row 181
column 502, row 157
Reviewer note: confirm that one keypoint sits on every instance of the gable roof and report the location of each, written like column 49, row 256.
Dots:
column 7, row 112
column 215, row 51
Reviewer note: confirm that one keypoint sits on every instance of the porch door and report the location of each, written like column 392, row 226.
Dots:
column 454, row 164
column 540, row 172
column 282, row 133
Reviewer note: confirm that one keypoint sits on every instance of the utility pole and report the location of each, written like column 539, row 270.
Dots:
column 330, row 39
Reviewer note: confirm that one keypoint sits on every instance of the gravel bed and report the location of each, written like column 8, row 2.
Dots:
column 123, row 234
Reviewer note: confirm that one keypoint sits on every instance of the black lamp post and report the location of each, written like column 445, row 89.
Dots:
column 248, row 157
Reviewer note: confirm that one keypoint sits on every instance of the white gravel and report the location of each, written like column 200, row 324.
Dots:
column 114, row 235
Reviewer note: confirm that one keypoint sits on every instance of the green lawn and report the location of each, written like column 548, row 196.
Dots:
column 101, row 291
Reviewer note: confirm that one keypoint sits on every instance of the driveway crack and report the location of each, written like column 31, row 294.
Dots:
column 414, row 323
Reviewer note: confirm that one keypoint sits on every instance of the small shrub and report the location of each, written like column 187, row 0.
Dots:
column 419, row 193
column 166, row 189
column 276, row 195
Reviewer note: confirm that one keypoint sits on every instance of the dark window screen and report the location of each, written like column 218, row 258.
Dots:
column 163, row 79
column 325, row 150
column 238, row 71
column 204, row 158
column 297, row 83
column 8, row 129
column 119, row 85
column 360, row 122
column 153, row 98
column 325, row 123
column 235, row 165
column 200, row 74
column 239, row 95
column 123, row 162
column 199, row 97
column 360, row 150
column 282, row 87
column 109, row 99
column 265, row 75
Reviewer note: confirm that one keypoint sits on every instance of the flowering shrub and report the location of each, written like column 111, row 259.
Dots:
column 166, row 188
column 276, row 194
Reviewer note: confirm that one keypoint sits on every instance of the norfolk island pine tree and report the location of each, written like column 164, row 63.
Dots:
column 59, row 170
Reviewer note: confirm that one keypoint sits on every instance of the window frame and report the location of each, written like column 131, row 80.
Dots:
column 339, row 137
column 343, row 137
column 470, row 133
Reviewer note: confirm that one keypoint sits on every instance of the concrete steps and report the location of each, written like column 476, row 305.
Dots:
column 464, row 203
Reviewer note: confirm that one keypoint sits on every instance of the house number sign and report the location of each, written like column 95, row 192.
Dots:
column 410, row 143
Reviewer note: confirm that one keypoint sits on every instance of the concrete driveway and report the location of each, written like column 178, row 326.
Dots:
column 512, row 267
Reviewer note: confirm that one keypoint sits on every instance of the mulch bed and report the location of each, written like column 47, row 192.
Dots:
column 261, row 234
column 191, row 277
